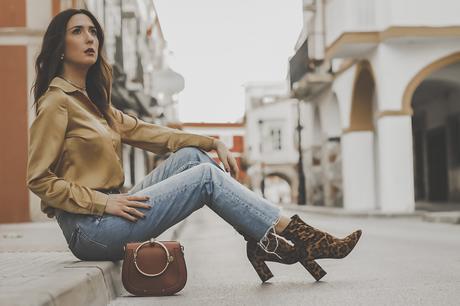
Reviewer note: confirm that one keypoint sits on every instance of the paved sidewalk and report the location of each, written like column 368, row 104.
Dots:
column 36, row 268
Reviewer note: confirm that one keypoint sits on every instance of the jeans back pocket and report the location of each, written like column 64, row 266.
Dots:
column 84, row 248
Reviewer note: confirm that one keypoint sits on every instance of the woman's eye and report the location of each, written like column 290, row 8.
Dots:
column 94, row 31
column 76, row 31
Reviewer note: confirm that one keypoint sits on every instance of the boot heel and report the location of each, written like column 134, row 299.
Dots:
column 261, row 268
column 314, row 268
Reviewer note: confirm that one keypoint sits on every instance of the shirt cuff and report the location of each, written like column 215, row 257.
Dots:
column 99, row 203
column 207, row 144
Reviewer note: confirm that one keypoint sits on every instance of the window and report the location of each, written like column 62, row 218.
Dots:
column 271, row 132
column 275, row 136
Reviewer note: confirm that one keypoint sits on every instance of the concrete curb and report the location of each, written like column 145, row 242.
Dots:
column 96, row 278
column 54, row 278
column 451, row 217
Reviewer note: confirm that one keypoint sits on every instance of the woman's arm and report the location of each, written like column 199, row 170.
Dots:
column 46, row 142
column 156, row 138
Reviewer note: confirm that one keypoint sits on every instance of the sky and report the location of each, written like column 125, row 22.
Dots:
column 218, row 46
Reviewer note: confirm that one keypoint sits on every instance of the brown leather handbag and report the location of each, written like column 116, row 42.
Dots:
column 154, row 268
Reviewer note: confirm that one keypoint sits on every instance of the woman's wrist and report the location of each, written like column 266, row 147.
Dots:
column 215, row 142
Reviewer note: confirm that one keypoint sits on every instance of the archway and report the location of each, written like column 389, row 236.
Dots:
column 278, row 188
column 357, row 143
column 362, row 99
column 331, row 159
column 433, row 97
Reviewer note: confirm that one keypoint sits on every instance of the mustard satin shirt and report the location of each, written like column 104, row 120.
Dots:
column 73, row 151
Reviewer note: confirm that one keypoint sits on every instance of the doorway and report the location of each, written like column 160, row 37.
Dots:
column 438, row 189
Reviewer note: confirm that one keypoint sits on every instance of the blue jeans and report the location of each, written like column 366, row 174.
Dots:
column 182, row 184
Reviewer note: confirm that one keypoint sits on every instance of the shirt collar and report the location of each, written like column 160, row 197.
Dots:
column 63, row 85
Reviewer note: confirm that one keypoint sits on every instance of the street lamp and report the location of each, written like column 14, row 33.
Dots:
column 262, row 164
column 301, row 199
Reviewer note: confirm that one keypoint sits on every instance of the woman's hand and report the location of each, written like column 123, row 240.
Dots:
column 227, row 158
column 123, row 205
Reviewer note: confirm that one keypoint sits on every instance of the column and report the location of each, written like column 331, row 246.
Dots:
column 396, row 173
column 358, row 170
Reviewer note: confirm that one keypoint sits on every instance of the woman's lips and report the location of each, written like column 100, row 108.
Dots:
column 91, row 53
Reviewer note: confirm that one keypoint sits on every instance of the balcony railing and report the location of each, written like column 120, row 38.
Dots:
column 361, row 16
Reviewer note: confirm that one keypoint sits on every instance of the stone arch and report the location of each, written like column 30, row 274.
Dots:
column 331, row 151
column 281, row 175
column 422, row 75
column 280, row 196
column 361, row 115
column 431, row 97
column 330, row 116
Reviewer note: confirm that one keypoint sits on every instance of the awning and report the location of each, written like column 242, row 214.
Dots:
column 299, row 64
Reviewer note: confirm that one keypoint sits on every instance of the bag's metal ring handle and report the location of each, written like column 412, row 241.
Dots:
column 169, row 258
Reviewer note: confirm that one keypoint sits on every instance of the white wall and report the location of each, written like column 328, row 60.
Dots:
column 349, row 16
column 410, row 58
column 423, row 12
column 329, row 114
column 38, row 14
column 280, row 113
column 343, row 87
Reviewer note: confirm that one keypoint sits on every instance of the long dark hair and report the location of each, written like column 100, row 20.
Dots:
column 49, row 65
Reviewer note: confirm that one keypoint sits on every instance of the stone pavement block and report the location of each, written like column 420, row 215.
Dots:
column 56, row 278
column 36, row 268
column 111, row 272
column 32, row 237
column 33, row 298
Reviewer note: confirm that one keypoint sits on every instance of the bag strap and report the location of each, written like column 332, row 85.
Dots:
column 169, row 258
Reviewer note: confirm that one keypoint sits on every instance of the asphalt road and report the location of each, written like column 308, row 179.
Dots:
column 398, row 261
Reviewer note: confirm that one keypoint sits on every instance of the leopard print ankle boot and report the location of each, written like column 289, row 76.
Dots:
column 277, row 250
column 315, row 244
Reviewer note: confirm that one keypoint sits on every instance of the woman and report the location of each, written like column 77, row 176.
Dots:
column 74, row 166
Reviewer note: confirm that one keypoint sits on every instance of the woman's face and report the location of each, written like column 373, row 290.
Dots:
column 80, row 38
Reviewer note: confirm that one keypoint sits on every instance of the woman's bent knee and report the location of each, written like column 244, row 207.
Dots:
column 191, row 153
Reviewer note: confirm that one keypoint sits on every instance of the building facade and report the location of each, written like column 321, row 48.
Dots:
column 271, row 146
column 383, row 80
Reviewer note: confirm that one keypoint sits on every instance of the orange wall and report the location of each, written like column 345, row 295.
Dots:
column 56, row 7
column 14, row 195
column 12, row 13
